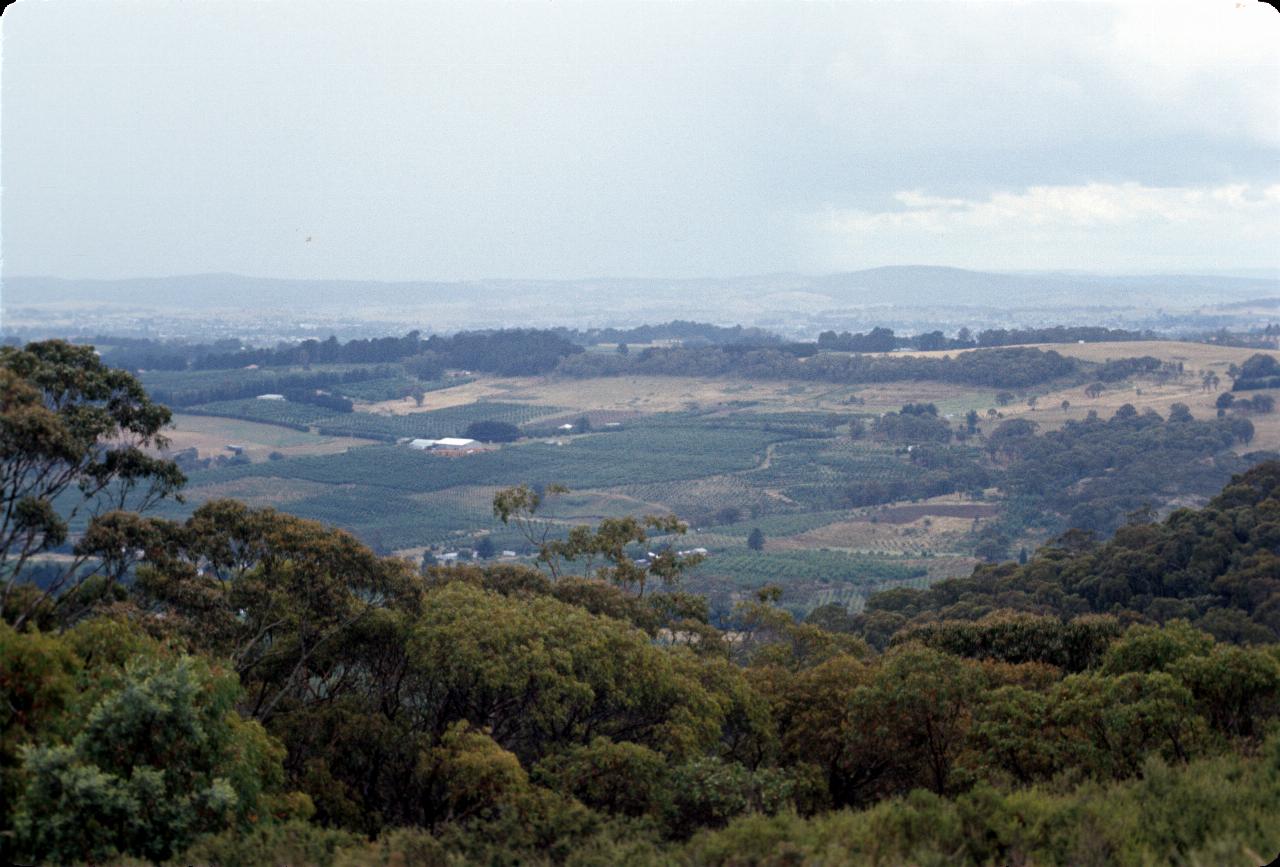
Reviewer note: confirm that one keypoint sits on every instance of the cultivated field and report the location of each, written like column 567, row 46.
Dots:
column 210, row 436
column 645, row 394
column 728, row 456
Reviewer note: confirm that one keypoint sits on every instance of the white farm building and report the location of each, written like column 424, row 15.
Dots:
column 444, row 444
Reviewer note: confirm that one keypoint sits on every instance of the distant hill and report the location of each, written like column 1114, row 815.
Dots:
column 738, row 299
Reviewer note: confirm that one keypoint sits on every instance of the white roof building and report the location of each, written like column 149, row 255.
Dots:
column 271, row 397
column 451, row 442
column 421, row 444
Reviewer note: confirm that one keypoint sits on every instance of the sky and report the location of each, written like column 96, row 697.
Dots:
column 423, row 141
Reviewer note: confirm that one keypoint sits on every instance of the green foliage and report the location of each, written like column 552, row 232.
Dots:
column 37, row 690
column 492, row 714
column 908, row 426
column 538, row 673
column 610, row 542
column 622, row 778
column 1011, row 637
column 156, row 762
column 473, row 775
column 490, row 431
column 1216, row 566
column 707, row 793
column 75, row 436
column 1215, row 811
column 1093, row 472
column 293, row 842
column 1149, row 648
column 275, row 594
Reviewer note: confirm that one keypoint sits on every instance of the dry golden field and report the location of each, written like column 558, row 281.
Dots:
column 1193, row 355
column 210, row 436
column 1196, row 359
column 650, row 394
column 458, row 395
column 940, row 524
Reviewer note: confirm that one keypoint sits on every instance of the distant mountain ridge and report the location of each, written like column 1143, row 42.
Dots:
column 899, row 284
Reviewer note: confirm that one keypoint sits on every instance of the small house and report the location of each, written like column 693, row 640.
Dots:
column 421, row 444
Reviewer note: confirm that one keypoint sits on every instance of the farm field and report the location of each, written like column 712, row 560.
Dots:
column 644, row 394
column 727, row 456
column 445, row 397
column 210, row 436
column 446, row 421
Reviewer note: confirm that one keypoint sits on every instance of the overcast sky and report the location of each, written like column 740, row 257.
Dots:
column 411, row 140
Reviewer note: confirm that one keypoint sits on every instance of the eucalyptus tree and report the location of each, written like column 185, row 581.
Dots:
column 78, row 443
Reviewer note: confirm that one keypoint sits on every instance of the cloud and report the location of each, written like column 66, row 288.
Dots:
column 1116, row 226
column 1212, row 65
column 569, row 140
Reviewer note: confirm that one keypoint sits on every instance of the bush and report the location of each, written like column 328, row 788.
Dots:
column 490, row 431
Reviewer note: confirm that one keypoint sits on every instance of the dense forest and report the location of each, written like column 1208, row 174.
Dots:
column 246, row 687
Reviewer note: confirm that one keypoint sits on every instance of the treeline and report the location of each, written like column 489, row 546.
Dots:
column 301, row 386
column 1116, row 369
column 331, row 351
column 528, row 351
column 335, row 402
column 997, row 368
column 689, row 333
column 142, row 353
column 1060, row 334
column 509, row 352
column 881, row 339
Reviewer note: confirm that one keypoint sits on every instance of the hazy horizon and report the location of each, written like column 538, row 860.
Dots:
column 1259, row 273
